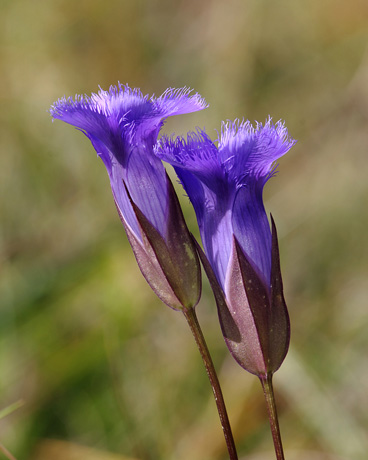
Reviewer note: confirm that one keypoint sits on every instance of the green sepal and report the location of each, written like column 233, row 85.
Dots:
column 253, row 316
column 248, row 302
column 279, row 317
column 150, row 267
column 260, row 312
column 229, row 328
column 170, row 266
column 187, row 277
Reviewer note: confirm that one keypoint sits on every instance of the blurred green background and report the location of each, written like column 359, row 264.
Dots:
column 96, row 366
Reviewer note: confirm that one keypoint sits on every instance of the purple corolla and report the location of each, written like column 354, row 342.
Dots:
column 225, row 183
column 122, row 125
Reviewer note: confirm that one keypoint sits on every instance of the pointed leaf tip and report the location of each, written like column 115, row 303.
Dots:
column 279, row 316
column 183, row 251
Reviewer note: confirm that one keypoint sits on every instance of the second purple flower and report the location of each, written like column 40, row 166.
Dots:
column 225, row 185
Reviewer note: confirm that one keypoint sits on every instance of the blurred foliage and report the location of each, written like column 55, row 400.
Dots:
column 103, row 369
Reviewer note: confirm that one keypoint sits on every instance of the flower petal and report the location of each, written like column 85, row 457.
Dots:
column 247, row 151
column 178, row 101
column 117, row 175
column 146, row 182
column 251, row 228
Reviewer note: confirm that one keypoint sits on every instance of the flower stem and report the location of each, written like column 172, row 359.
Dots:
column 266, row 382
column 192, row 320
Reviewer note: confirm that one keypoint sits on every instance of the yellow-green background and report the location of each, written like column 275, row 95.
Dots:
column 86, row 349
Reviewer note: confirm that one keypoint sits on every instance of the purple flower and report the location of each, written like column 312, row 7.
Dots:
column 225, row 185
column 122, row 125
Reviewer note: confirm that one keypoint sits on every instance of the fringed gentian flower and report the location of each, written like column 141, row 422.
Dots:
column 123, row 126
column 225, row 186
